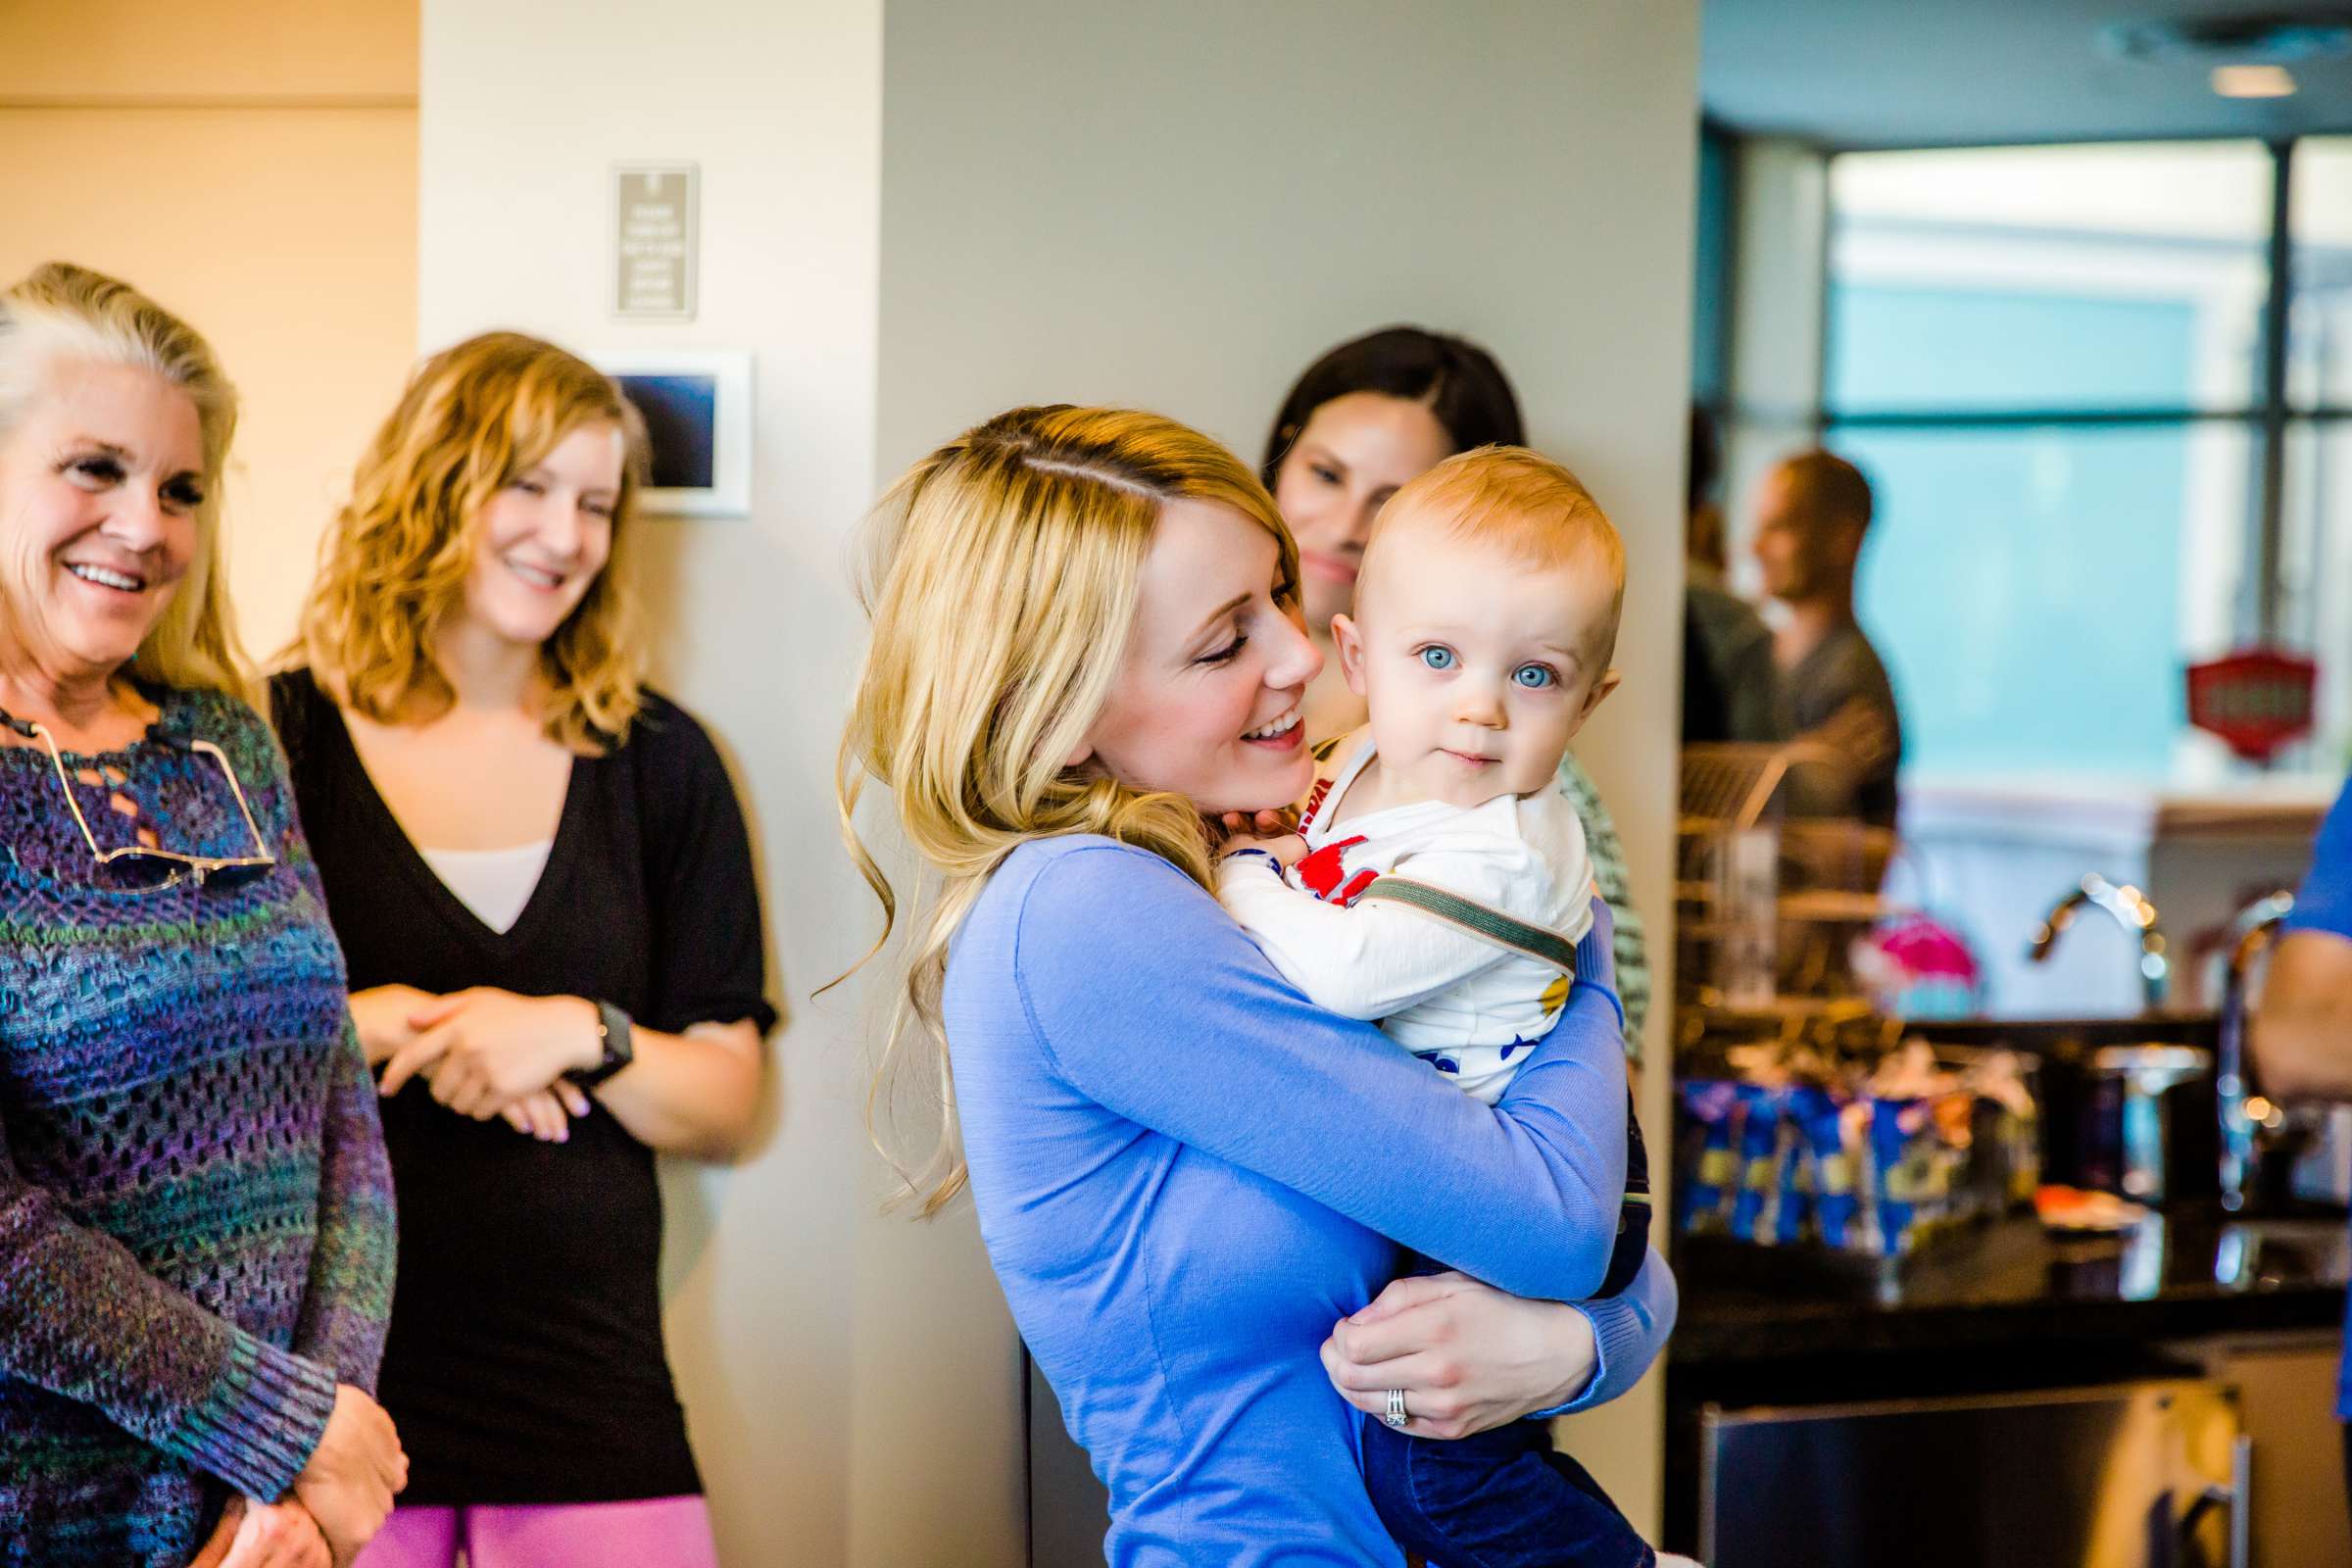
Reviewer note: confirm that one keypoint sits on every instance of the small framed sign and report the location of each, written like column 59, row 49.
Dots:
column 656, row 215
column 697, row 404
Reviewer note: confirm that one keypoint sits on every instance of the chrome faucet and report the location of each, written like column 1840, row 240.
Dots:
column 2242, row 1110
column 2131, row 910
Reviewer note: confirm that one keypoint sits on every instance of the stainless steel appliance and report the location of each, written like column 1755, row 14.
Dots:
column 2143, row 1474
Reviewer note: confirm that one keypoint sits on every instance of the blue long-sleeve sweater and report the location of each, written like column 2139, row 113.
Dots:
column 196, row 1234
column 1186, row 1174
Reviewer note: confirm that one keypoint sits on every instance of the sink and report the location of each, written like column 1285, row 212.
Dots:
column 2299, row 1246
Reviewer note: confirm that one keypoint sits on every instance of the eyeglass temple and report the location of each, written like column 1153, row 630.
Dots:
column 261, row 845
column 73, row 804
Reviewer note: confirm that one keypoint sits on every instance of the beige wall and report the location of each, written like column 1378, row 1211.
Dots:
column 253, row 167
column 1181, row 206
column 1779, row 254
column 793, row 1302
column 914, row 213
column 206, row 51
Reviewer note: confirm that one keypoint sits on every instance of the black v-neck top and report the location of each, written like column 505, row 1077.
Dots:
column 524, row 1363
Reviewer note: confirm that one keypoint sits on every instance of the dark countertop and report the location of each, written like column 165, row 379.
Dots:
column 2189, row 1272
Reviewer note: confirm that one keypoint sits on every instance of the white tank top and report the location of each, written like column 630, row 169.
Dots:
column 495, row 884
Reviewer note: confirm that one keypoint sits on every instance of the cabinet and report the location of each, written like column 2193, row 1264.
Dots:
column 2143, row 1474
column 2286, row 1394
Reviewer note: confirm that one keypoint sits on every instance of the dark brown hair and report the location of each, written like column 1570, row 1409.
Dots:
column 1456, row 379
column 1829, row 487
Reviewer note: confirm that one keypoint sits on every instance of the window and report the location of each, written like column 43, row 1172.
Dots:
column 2054, row 280
column 2054, row 364
column 2031, row 588
column 2320, row 311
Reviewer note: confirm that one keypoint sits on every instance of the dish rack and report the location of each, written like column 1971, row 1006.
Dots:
column 1824, row 871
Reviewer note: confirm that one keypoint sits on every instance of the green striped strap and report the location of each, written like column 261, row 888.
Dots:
column 1482, row 922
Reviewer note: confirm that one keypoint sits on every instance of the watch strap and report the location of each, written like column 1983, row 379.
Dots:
column 613, row 1026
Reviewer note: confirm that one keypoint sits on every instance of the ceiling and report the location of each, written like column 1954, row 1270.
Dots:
column 1958, row 73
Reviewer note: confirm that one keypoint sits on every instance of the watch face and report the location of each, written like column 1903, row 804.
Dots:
column 614, row 1025
column 617, row 1045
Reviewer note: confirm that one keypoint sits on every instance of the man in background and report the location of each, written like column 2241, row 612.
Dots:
column 1811, row 515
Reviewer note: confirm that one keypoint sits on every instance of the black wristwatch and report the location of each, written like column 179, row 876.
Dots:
column 612, row 1025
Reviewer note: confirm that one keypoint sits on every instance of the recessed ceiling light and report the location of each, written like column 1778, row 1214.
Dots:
column 2253, row 81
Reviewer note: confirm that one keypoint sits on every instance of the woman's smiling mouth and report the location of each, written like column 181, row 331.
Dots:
column 107, row 577
column 542, row 579
column 1284, row 733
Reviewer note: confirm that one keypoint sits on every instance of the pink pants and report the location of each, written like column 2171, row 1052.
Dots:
column 656, row 1533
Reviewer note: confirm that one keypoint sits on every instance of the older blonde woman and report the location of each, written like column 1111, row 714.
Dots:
column 544, row 889
column 195, row 1214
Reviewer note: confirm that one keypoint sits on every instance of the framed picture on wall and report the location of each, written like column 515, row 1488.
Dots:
column 697, row 404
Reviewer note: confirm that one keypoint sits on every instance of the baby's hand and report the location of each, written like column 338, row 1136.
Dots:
column 1288, row 849
column 1236, row 827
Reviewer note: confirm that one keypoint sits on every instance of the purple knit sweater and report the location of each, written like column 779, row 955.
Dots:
column 195, row 1207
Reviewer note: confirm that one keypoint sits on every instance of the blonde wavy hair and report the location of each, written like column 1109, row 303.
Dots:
column 64, row 313
column 393, row 565
column 1003, row 589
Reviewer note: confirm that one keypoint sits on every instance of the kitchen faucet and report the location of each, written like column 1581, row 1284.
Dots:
column 2242, row 1110
column 2131, row 910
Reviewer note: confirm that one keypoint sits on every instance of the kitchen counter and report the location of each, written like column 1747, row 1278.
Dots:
column 2192, row 1272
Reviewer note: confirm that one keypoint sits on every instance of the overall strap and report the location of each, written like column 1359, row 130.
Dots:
column 1482, row 922
column 1491, row 925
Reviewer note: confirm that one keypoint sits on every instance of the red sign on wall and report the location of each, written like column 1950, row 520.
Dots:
column 2256, row 700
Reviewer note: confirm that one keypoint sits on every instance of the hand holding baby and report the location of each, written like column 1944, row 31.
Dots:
column 1274, row 833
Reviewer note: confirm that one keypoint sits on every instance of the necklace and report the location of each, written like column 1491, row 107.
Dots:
column 45, row 734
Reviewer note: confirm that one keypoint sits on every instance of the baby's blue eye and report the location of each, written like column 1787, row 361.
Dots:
column 1535, row 677
column 1438, row 658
